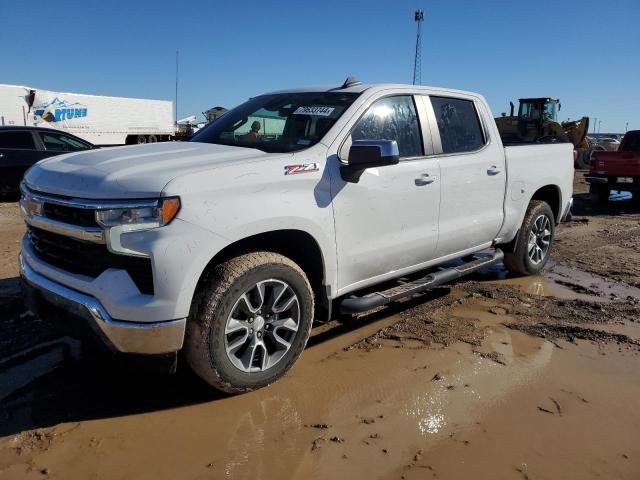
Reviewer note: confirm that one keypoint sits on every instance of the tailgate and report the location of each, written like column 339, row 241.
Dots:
column 616, row 163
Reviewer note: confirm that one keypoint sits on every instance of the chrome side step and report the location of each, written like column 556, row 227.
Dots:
column 355, row 304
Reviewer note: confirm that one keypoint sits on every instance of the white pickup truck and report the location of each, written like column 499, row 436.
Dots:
column 294, row 203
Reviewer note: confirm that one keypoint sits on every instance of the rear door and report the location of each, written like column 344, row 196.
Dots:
column 388, row 221
column 473, row 176
column 18, row 151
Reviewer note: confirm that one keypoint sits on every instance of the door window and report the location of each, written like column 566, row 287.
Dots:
column 62, row 143
column 391, row 118
column 20, row 139
column 459, row 125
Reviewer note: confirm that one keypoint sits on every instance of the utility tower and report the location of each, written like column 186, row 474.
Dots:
column 417, row 62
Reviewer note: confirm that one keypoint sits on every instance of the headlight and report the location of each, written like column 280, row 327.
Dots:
column 140, row 217
column 122, row 220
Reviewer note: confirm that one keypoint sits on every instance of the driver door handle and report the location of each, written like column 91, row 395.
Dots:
column 494, row 170
column 425, row 179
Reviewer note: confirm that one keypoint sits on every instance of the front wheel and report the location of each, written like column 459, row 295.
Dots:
column 533, row 245
column 250, row 321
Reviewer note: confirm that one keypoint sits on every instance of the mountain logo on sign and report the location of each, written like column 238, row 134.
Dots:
column 57, row 110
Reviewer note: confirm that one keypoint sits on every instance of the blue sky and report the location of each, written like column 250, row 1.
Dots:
column 584, row 51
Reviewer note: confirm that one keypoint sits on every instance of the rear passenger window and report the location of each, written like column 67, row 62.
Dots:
column 22, row 140
column 391, row 118
column 459, row 125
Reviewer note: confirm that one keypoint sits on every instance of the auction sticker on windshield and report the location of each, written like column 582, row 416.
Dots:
column 318, row 111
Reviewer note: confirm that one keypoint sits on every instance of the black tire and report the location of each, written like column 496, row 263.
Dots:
column 518, row 261
column 141, row 139
column 599, row 193
column 152, row 139
column 217, row 296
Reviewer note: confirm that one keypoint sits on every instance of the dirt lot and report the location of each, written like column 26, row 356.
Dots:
column 493, row 377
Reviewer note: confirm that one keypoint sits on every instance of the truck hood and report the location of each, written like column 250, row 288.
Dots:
column 139, row 171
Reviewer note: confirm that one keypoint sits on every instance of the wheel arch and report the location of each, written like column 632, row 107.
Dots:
column 298, row 245
column 552, row 195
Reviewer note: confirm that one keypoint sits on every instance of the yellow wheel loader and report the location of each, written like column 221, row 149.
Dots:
column 537, row 122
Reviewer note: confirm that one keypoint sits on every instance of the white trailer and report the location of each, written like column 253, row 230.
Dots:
column 98, row 119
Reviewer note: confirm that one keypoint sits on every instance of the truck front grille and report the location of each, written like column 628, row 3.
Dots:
column 90, row 259
column 83, row 217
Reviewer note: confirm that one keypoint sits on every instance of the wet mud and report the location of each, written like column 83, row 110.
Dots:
column 491, row 377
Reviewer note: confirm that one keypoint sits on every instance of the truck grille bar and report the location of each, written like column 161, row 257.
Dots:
column 64, row 233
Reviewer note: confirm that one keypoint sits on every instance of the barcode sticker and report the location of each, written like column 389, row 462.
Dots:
column 318, row 111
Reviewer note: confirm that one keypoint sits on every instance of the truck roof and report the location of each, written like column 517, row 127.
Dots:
column 361, row 87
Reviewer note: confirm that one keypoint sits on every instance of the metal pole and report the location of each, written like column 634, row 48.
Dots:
column 595, row 120
column 626, row 127
column 176, row 108
column 417, row 61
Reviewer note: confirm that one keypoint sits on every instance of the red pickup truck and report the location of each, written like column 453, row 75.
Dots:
column 616, row 170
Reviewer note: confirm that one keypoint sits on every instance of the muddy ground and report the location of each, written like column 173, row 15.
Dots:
column 492, row 377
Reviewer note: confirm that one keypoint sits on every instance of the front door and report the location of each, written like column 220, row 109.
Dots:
column 388, row 221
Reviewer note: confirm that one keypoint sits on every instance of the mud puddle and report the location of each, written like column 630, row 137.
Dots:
column 540, row 427
column 563, row 282
column 407, row 404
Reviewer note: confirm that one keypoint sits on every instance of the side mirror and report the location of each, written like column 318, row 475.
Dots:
column 365, row 154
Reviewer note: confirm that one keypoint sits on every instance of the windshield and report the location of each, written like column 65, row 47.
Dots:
column 281, row 122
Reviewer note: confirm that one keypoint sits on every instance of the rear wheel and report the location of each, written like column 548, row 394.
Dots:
column 140, row 139
column 152, row 139
column 250, row 321
column 533, row 245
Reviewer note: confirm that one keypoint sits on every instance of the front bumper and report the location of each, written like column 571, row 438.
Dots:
column 121, row 336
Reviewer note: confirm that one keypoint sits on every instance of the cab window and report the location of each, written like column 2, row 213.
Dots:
column 458, row 124
column 392, row 118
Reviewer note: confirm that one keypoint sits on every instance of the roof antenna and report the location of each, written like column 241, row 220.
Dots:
column 350, row 82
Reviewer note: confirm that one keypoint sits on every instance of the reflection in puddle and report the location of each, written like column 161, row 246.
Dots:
column 427, row 410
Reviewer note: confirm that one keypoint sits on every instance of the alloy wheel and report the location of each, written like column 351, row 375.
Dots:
column 539, row 239
column 262, row 325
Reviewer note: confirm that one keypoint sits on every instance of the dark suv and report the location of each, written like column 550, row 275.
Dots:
column 21, row 147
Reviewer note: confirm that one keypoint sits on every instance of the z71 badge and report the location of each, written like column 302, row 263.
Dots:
column 303, row 168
